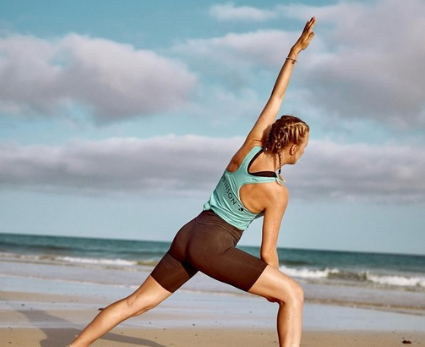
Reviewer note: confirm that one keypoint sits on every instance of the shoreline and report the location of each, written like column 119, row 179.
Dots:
column 196, row 303
column 46, row 305
column 199, row 319
column 82, row 278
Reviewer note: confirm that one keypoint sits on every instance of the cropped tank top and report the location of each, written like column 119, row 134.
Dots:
column 225, row 200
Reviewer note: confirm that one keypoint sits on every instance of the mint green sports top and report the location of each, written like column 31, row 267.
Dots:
column 225, row 200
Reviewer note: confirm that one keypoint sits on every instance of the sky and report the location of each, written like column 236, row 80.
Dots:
column 117, row 118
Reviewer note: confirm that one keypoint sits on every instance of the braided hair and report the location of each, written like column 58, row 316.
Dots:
column 284, row 131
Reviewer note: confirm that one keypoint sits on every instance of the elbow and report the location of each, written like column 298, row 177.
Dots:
column 269, row 257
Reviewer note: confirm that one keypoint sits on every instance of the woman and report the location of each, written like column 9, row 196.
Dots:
column 249, row 188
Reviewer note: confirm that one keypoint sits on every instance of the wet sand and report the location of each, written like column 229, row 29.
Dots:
column 49, row 320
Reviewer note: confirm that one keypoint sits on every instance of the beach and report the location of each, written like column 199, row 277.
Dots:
column 47, row 297
column 49, row 312
column 195, row 319
column 121, row 337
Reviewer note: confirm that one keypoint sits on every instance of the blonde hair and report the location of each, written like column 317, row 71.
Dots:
column 285, row 131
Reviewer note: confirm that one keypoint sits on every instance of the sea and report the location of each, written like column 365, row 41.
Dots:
column 343, row 290
column 405, row 272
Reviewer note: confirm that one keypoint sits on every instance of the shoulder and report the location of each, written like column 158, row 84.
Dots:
column 240, row 155
column 277, row 195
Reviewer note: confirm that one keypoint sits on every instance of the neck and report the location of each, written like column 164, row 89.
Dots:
column 281, row 159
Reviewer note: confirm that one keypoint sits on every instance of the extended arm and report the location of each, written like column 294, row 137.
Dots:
column 272, row 107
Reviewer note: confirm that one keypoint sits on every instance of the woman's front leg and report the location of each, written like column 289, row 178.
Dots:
column 277, row 287
column 146, row 297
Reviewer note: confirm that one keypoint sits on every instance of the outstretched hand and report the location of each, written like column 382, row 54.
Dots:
column 306, row 36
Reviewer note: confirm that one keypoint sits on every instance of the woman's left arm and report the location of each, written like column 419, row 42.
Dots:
column 273, row 215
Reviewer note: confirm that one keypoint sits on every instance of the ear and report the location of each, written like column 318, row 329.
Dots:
column 293, row 149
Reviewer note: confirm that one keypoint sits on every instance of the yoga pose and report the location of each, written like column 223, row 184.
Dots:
column 248, row 189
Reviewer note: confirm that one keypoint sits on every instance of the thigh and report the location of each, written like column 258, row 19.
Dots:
column 173, row 270
column 212, row 250
column 171, row 273
column 235, row 267
column 274, row 285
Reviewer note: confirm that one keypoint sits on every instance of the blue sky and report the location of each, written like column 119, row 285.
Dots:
column 117, row 118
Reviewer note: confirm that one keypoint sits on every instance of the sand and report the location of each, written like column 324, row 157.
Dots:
column 46, row 320
column 192, row 336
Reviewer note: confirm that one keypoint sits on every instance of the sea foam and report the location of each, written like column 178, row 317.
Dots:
column 118, row 262
column 308, row 273
column 401, row 281
column 360, row 276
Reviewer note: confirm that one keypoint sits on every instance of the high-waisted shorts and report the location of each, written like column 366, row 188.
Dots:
column 208, row 244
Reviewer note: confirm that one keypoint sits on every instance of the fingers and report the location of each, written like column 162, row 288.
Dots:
column 308, row 29
column 307, row 34
column 310, row 24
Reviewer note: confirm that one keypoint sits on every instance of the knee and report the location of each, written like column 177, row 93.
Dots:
column 137, row 306
column 299, row 294
column 294, row 296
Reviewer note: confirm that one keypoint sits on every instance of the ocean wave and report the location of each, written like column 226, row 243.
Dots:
column 359, row 276
column 308, row 273
column 91, row 261
column 54, row 259
column 401, row 281
column 409, row 280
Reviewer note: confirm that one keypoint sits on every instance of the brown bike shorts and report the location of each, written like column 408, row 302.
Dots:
column 208, row 244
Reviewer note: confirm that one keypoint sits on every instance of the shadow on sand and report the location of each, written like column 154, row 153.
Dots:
column 67, row 331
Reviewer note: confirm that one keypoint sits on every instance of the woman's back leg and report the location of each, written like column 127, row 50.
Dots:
column 146, row 297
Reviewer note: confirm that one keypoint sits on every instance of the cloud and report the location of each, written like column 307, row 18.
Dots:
column 238, row 50
column 390, row 173
column 369, row 63
column 228, row 12
column 164, row 165
column 191, row 166
column 110, row 80
column 364, row 62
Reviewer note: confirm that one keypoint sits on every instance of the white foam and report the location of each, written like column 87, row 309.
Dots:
column 308, row 273
column 120, row 262
column 401, row 281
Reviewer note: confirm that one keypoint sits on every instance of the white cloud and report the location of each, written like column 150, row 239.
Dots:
column 192, row 165
column 369, row 64
column 365, row 61
column 262, row 47
column 111, row 80
column 165, row 165
column 390, row 173
column 228, row 12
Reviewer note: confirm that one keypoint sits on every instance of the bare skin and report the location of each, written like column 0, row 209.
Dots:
column 272, row 198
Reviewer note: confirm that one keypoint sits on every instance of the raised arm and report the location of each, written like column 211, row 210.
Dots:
column 272, row 107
